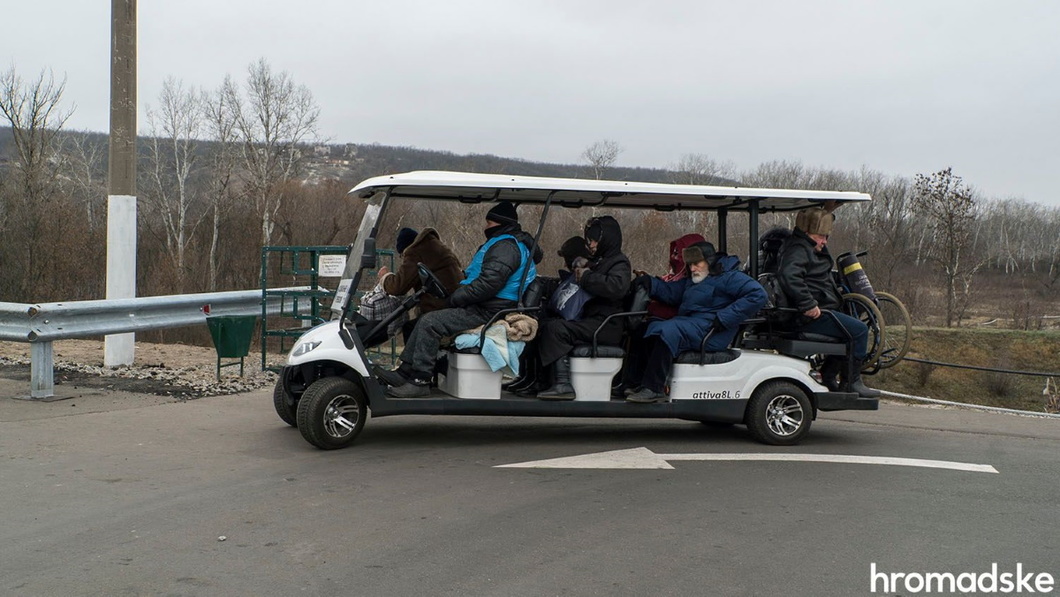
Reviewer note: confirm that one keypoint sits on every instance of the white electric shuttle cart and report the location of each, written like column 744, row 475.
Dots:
column 327, row 387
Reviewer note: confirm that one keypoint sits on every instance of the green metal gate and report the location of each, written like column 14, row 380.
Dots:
column 298, row 267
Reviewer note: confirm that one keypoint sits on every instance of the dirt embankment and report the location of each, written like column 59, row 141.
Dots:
column 177, row 370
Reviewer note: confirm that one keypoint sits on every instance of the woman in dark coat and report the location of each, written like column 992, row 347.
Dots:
column 714, row 294
column 532, row 375
column 607, row 279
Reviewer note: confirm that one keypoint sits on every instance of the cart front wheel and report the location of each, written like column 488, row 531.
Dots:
column 285, row 404
column 332, row 412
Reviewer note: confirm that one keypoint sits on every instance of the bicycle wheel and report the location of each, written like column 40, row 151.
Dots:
column 860, row 307
column 899, row 329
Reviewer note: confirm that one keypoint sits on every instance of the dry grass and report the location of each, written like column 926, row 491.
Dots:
column 1005, row 349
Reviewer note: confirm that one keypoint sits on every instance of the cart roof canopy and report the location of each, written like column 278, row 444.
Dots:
column 574, row 192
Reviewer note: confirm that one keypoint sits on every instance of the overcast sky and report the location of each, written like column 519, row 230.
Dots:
column 900, row 86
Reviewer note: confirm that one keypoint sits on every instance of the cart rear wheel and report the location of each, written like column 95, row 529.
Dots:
column 779, row 413
column 332, row 412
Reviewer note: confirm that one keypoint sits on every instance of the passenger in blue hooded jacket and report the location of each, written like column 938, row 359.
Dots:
column 715, row 295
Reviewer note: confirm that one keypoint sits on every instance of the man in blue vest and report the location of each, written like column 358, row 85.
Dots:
column 495, row 279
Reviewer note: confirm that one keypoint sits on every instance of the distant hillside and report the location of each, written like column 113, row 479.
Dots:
column 372, row 160
column 354, row 162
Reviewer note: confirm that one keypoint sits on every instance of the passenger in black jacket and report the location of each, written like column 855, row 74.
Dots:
column 498, row 274
column 607, row 278
column 805, row 275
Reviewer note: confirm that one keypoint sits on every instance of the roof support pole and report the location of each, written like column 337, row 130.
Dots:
column 752, row 238
column 723, row 230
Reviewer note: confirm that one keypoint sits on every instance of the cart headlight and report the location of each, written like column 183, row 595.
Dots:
column 304, row 347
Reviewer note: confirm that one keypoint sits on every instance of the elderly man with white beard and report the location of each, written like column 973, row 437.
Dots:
column 715, row 295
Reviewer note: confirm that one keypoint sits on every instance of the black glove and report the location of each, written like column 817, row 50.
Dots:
column 643, row 281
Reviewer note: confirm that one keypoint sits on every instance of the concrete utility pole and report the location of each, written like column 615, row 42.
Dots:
column 120, row 349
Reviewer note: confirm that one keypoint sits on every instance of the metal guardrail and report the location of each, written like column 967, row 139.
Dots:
column 42, row 324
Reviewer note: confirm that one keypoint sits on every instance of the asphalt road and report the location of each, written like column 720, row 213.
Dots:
column 125, row 495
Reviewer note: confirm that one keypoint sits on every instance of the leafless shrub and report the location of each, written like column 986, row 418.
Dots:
column 923, row 373
column 1052, row 396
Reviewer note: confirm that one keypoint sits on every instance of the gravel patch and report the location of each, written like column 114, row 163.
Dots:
column 180, row 371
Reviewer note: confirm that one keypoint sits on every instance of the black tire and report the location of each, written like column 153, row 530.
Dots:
column 860, row 307
column 779, row 413
column 331, row 413
column 899, row 328
column 285, row 404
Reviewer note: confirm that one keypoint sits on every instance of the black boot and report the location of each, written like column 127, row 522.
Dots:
column 528, row 377
column 393, row 377
column 515, row 382
column 830, row 373
column 417, row 386
column 856, row 385
column 562, row 390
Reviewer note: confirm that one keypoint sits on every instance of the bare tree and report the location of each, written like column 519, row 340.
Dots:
column 33, row 111
column 176, row 126
column 220, row 123
column 271, row 122
column 700, row 169
column 601, row 156
column 84, row 164
column 778, row 174
column 950, row 207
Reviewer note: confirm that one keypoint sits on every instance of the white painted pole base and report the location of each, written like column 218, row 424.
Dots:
column 120, row 349
column 41, row 370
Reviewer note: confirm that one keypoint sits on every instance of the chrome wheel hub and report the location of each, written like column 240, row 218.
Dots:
column 784, row 415
column 341, row 416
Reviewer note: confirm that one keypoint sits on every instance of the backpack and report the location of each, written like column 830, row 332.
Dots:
column 776, row 299
column 769, row 245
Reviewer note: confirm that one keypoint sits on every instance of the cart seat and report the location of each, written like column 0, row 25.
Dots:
column 593, row 367
column 585, row 351
column 693, row 357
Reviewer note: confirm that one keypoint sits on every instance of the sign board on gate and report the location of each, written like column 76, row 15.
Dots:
column 342, row 295
column 331, row 266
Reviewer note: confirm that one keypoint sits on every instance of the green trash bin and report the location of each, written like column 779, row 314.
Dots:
column 231, row 337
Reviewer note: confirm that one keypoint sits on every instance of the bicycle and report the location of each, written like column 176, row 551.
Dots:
column 895, row 325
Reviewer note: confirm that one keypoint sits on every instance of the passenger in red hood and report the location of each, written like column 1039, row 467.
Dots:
column 677, row 271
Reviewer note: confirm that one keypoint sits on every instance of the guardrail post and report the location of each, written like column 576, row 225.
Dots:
column 41, row 370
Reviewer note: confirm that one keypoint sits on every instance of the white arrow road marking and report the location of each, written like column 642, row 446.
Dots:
column 643, row 458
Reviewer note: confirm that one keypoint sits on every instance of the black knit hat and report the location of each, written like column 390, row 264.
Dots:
column 503, row 213
column 405, row 238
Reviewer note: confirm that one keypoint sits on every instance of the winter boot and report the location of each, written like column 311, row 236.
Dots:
column 528, row 377
column 647, row 396
column 393, row 377
column 830, row 373
column 418, row 386
column 856, row 385
column 507, row 386
column 561, row 390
